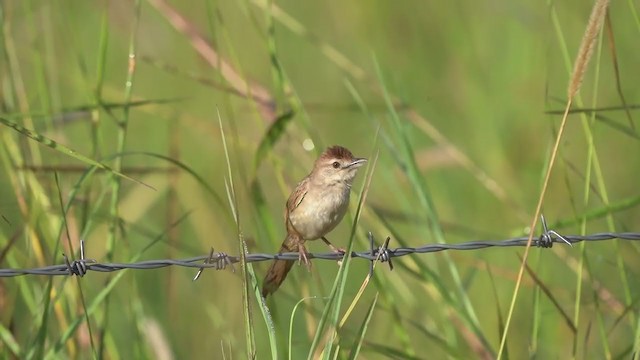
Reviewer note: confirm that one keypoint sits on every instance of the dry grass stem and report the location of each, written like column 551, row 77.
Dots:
column 586, row 46
column 586, row 49
column 203, row 47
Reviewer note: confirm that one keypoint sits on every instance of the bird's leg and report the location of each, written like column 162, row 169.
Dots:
column 337, row 250
column 333, row 248
column 303, row 257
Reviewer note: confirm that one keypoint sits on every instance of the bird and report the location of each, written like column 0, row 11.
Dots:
column 314, row 208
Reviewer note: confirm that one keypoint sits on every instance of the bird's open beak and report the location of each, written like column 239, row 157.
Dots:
column 357, row 162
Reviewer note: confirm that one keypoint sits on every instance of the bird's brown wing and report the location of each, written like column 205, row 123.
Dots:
column 298, row 194
column 293, row 242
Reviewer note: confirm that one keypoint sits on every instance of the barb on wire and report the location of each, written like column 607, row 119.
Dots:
column 380, row 253
column 383, row 253
column 78, row 267
column 547, row 236
column 221, row 260
column 373, row 251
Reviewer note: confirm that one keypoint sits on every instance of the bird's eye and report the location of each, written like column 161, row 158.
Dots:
column 336, row 164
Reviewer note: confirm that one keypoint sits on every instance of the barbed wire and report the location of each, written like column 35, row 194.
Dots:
column 220, row 260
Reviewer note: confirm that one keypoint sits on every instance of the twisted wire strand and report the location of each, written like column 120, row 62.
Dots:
column 220, row 260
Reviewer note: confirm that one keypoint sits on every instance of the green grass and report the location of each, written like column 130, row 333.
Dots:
column 155, row 130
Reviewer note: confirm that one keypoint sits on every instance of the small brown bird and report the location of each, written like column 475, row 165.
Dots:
column 314, row 208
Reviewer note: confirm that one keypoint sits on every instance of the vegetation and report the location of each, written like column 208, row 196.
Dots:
column 156, row 129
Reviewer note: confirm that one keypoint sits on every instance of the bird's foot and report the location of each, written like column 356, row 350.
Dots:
column 333, row 248
column 303, row 256
column 337, row 250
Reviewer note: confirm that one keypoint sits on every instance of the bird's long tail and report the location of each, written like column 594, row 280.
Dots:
column 280, row 268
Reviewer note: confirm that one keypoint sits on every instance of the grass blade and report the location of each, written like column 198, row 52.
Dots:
column 272, row 136
column 66, row 150
column 355, row 349
column 242, row 247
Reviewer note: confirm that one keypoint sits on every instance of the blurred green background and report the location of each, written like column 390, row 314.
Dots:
column 470, row 83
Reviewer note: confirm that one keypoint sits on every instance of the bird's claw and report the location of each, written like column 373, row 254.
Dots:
column 303, row 257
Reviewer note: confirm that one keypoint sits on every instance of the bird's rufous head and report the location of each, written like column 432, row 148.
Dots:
column 337, row 165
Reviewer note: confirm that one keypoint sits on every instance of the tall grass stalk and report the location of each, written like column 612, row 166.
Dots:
column 584, row 55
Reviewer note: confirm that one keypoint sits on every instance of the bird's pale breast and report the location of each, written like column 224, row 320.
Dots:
column 320, row 211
